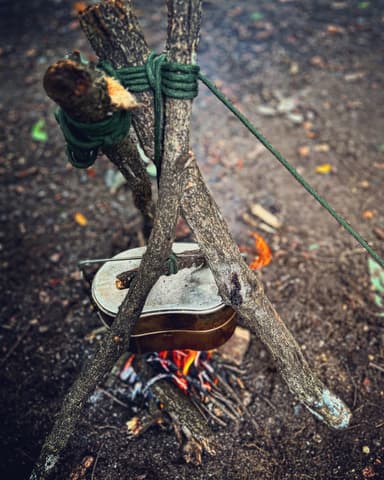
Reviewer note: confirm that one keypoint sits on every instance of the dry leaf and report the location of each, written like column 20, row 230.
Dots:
column 265, row 215
column 303, row 151
column 321, row 147
column 80, row 219
column 324, row 168
column 368, row 214
column 79, row 7
column 264, row 256
column 335, row 29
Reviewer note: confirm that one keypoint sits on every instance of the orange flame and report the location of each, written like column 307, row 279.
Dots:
column 183, row 360
column 264, row 254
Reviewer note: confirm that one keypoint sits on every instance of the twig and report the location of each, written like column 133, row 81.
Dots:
column 96, row 460
column 378, row 367
column 115, row 399
column 14, row 346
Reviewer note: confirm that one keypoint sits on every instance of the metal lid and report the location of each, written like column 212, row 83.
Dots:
column 190, row 290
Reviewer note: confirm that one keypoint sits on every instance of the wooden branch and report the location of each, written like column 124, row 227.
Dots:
column 88, row 95
column 124, row 279
column 111, row 347
column 239, row 287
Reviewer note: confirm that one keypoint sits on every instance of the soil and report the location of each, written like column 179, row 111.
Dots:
column 325, row 59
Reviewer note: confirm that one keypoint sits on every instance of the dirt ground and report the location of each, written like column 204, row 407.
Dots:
column 310, row 75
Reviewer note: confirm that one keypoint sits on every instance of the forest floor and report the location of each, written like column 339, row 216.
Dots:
column 310, row 75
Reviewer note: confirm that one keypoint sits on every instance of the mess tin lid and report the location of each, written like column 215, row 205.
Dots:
column 190, row 290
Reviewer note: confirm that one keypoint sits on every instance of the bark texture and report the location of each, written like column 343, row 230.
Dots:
column 115, row 35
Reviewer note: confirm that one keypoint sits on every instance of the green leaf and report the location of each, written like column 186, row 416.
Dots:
column 38, row 132
column 376, row 273
column 256, row 16
column 364, row 4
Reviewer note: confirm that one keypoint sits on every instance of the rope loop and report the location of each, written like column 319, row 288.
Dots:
column 84, row 139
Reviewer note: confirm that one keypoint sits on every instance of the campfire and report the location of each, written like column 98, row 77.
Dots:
column 210, row 381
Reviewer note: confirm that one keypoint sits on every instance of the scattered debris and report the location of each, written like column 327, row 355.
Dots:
column 81, row 470
column 236, row 347
column 376, row 274
column 266, row 110
column 265, row 215
column 321, row 147
column 303, row 151
column 286, row 105
column 114, row 180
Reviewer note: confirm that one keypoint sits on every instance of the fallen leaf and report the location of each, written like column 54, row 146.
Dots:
column 38, row 132
column 286, row 105
column 296, row 118
column 335, row 29
column 80, row 219
column 352, row 77
column 376, row 275
column 265, row 215
column 266, row 110
column 317, row 61
column 311, row 134
column 368, row 214
column 321, row 147
column 264, row 254
column 303, row 151
column 324, row 168
column 79, row 7
column 91, row 172
column 256, row 16
column 294, row 68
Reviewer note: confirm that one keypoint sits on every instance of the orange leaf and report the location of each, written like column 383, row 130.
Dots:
column 79, row 7
column 368, row 214
column 80, row 219
column 264, row 256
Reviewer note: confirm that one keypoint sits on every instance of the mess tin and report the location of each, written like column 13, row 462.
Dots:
column 182, row 311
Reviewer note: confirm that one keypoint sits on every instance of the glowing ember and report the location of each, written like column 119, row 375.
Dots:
column 188, row 369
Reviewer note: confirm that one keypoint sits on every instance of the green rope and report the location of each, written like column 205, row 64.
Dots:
column 169, row 79
column 244, row 120
column 172, row 264
column 174, row 80
column 84, row 139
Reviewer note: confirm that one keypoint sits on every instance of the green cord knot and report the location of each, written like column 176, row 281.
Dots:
column 172, row 264
column 170, row 79
column 84, row 139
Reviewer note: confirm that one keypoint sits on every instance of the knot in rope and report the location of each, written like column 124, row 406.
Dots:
column 84, row 139
column 170, row 79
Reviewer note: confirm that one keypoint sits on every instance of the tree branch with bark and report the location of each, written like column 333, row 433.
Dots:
column 116, row 36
